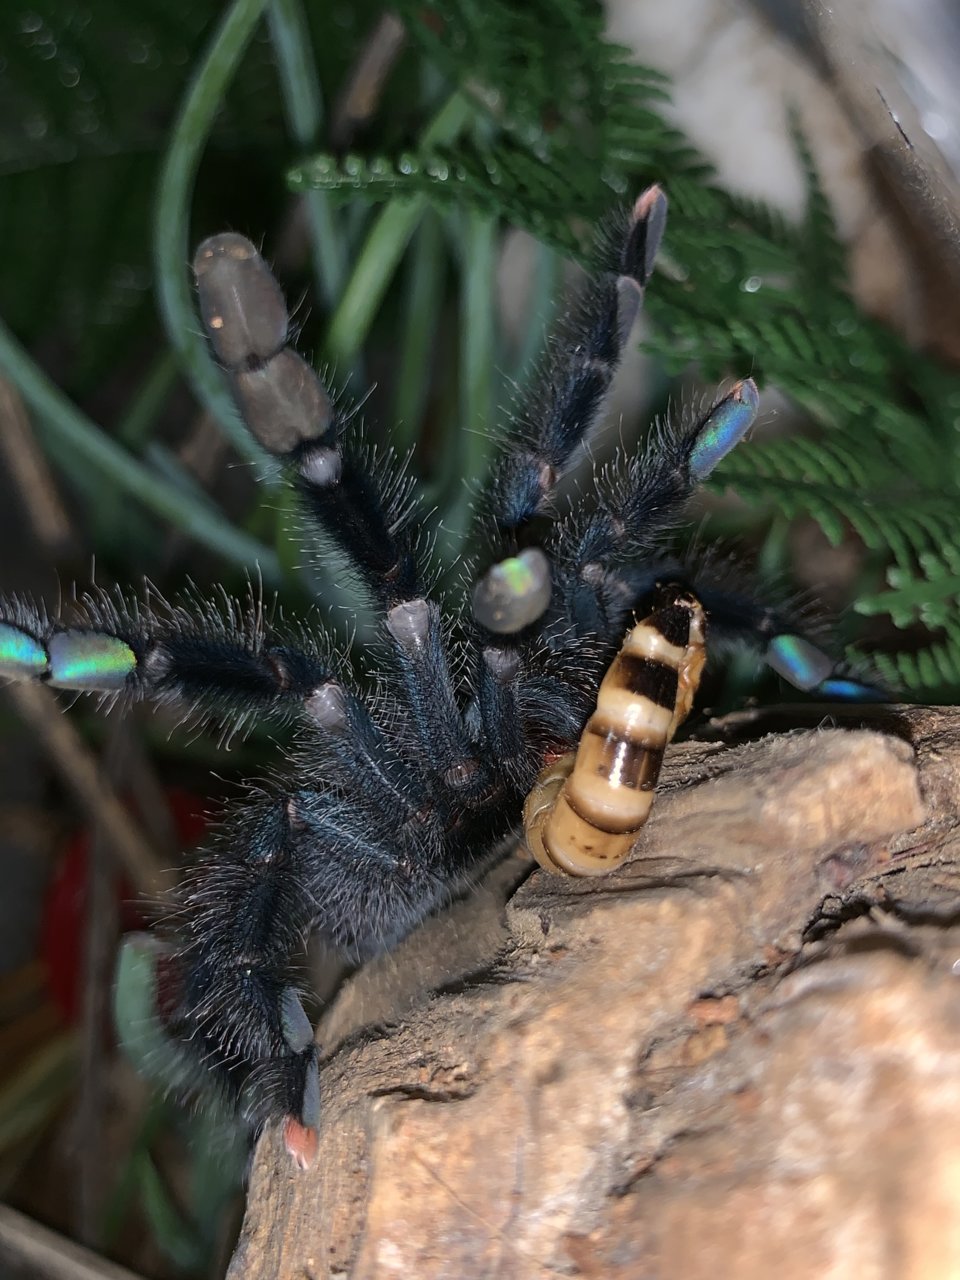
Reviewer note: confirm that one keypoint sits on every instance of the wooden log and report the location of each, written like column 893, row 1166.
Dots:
column 738, row 1055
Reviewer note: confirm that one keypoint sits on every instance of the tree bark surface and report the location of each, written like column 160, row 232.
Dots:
column 738, row 1055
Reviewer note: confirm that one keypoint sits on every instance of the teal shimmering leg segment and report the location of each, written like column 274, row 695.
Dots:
column 89, row 661
column 220, row 661
column 22, row 657
column 808, row 668
column 851, row 690
column 514, row 593
column 799, row 661
column 724, row 427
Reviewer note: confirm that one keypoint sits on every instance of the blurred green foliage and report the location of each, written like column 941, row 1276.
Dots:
column 128, row 131
column 111, row 169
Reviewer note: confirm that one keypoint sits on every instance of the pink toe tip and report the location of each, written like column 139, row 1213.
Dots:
column 301, row 1142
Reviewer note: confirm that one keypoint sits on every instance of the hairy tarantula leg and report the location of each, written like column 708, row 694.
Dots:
column 283, row 402
column 217, row 656
column 808, row 668
column 580, row 372
column 216, row 659
column 246, row 909
column 283, row 867
column 513, row 593
column 742, row 614
column 778, row 637
column 497, row 696
column 360, row 750
column 74, row 658
column 639, row 499
column 565, row 405
column 447, row 752
column 851, row 690
column 361, row 504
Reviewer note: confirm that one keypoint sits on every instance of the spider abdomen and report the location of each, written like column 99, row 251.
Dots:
column 585, row 810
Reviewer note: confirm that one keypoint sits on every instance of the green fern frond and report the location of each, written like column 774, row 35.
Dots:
column 823, row 462
column 565, row 123
column 929, row 597
column 505, row 181
column 933, row 672
column 826, row 260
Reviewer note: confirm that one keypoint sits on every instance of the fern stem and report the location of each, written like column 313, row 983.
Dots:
column 72, row 431
column 171, row 237
column 164, row 463
column 423, row 298
column 478, row 343
column 145, row 407
column 473, row 441
column 304, row 110
column 774, row 553
column 134, row 430
column 385, row 243
column 541, row 311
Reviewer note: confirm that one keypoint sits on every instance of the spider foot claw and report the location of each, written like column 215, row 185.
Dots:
column 301, row 1141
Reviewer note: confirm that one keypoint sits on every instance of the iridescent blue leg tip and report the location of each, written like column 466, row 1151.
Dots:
column 90, row 662
column 851, row 690
column 798, row 661
column 724, row 427
column 22, row 657
column 514, row 593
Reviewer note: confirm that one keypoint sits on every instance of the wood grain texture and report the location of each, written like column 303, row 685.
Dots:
column 737, row 1055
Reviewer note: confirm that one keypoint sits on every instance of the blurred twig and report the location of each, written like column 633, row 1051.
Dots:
column 21, row 989
column 360, row 96
column 386, row 242
column 99, row 947
column 915, row 178
column 38, row 1089
column 73, row 433
column 25, row 463
column 171, row 244
column 304, row 111
column 79, row 769
column 38, row 1252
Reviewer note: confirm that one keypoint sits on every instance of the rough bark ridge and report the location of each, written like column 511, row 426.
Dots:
column 739, row 1055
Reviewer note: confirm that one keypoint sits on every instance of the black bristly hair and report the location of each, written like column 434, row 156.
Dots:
column 391, row 802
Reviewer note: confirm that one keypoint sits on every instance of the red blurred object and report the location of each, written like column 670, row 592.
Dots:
column 65, row 907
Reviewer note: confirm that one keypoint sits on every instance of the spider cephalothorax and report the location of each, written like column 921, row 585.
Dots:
column 389, row 806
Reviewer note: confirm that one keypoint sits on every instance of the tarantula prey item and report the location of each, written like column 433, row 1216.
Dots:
column 586, row 809
column 399, row 792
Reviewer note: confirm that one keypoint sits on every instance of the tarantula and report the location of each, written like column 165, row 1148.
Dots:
column 396, row 799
